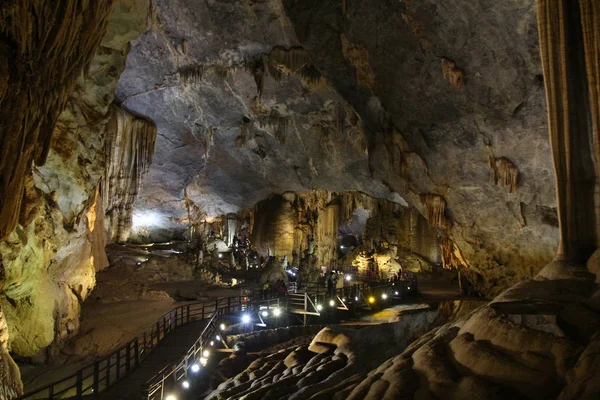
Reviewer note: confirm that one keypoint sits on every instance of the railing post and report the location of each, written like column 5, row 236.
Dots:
column 51, row 392
column 137, row 352
column 188, row 313
column 96, row 384
column 157, row 332
column 79, row 384
column 229, row 304
column 202, row 312
column 128, row 357
column 118, row 364
column 108, row 371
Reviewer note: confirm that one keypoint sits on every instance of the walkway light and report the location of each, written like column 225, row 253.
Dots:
column 409, row 288
column 212, row 343
column 319, row 307
column 331, row 303
column 371, row 299
column 246, row 319
column 205, row 353
column 170, row 397
column 222, row 327
column 203, row 361
column 185, row 384
column 348, row 278
column 277, row 312
column 218, row 338
column 195, row 368
column 384, row 296
column 265, row 313
column 356, row 298
column 396, row 293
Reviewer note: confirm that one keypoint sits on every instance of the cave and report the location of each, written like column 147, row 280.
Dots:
column 420, row 177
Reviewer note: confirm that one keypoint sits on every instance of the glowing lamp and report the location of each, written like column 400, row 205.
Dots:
column 331, row 303
column 384, row 296
column 371, row 299
column 195, row 368
column 185, row 384
column 245, row 319
column 277, row 312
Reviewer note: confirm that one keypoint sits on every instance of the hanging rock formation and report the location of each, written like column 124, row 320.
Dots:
column 129, row 148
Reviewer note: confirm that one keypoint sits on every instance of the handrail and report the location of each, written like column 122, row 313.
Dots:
column 195, row 354
column 99, row 375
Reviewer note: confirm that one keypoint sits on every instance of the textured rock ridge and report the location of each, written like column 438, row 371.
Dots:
column 129, row 148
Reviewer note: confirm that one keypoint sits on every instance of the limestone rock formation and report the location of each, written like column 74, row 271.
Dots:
column 313, row 94
column 50, row 259
column 129, row 148
column 300, row 226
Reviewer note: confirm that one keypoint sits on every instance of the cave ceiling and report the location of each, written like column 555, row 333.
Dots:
column 411, row 98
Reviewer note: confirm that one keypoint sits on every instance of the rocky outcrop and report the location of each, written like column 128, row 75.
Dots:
column 50, row 259
column 314, row 225
column 129, row 148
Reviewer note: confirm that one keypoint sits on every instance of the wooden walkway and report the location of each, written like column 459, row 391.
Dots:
column 170, row 352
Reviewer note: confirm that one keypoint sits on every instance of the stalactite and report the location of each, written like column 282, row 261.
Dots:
column 128, row 151
column 358, row 56
column 435, row 206
column 47, row 45
column 296, row 60
column 453, row 73
column 447, row 250
column 184, row 46
column 222, row 72
column 344, row 8
column 506, row 173
column 244, row 136
column 192, row 74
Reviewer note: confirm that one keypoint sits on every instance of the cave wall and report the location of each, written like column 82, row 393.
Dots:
column 453, row 108
column 298, row 225
column 397, row 99
column 50, row 259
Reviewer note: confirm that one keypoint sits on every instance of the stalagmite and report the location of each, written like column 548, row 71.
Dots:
column 435, row 205
column 47, row 46
column 129, row 148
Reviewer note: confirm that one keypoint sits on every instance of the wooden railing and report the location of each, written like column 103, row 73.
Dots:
column 98, row 376
column 156, row 386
